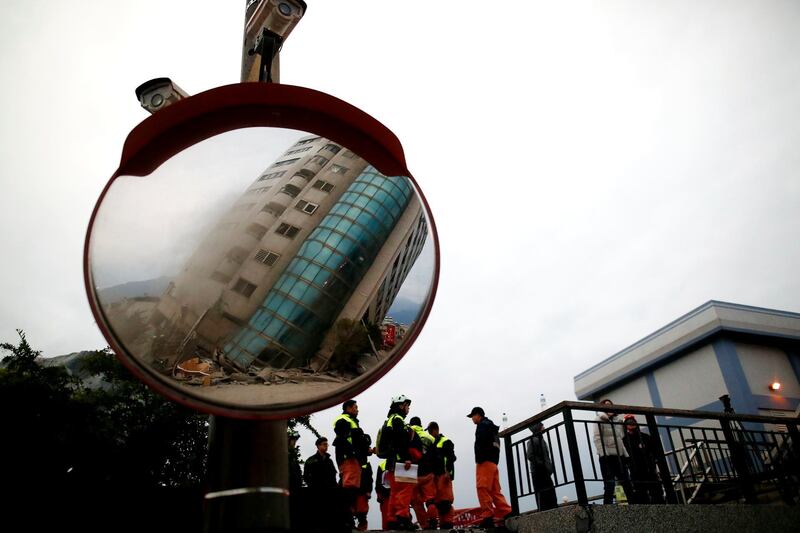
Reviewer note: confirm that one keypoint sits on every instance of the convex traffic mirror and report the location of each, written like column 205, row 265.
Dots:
column 261, row 252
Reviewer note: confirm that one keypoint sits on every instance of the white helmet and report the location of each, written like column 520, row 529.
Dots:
column 400, row 398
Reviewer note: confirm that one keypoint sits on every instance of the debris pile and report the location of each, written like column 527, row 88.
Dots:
column 204, row 372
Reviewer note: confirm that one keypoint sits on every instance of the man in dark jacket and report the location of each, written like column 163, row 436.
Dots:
column 494, row 507
column 642, row 463
column 323, row 493
column 541, row 468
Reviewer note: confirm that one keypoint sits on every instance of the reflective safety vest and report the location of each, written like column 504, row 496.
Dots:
column 383, row 447
column 426, row 438
column 353, row 424
column 447, row 468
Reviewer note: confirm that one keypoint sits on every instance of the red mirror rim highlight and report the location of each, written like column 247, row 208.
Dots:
column 194, row 119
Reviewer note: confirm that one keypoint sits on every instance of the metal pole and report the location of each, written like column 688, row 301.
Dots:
column 512, row 476
column 739, row 460
column 575, row 458
column 248, row 462
column 661, row 460
column 248, row 476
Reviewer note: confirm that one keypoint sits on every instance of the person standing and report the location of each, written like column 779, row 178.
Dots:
column 444, row 457
column 611, row 452
column 352, row 450
column 395, row 446
column 319, row 474
column 382, row 493
column 425, row 492
column 494, row 507
column 643, row 455
column 541, row 464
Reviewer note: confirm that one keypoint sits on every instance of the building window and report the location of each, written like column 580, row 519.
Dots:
column 298, row 150
column 305, row 173
column 291, row 190
column 256, row 230
column 323, row 185
column 286, row 162
column 331, row 148
column 306, row 207
column 237, row 254
column 272, row 175
column 338, row 169
column 258, row 190
column 219, row 276
column 287, row 230
column 244, row 287
column 349, row 154
column 266, row 257
column 319, row 160
column 306, row 141
column 274, row 208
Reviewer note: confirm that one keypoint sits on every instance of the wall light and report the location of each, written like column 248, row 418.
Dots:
column 775, row 386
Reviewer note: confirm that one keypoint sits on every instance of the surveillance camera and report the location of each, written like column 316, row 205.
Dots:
column 158, row 93
column 278, row 18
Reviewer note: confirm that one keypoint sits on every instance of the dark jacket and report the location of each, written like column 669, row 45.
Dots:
column 487, row 443
column 443, row 457
column 398, row 437
column 539, row 456
column 640, row 448
column 381, row 491
column 319, row 472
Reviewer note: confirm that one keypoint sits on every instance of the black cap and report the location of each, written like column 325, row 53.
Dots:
column 475, row 411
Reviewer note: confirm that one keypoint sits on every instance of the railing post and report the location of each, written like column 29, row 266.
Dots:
column 794, row 436
column 512, row 476
column 661, row 460
column 575, row 458
column 739, row 460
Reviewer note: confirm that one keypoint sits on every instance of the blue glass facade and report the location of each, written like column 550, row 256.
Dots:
column 287, row 328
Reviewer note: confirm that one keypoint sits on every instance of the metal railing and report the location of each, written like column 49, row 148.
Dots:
column 697, row 455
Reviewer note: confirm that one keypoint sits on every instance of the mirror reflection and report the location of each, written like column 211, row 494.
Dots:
column 262, row 266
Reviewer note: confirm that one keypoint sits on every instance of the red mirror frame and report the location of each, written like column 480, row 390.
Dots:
column 243, row 105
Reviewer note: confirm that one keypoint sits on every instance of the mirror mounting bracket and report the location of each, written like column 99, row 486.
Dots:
column 267, row 45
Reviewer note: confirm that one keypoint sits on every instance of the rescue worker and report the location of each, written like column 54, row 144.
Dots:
column 425, row 491
column 444, row 457
column 382, row 493
column 494, row 507
column 396, row 445
column 352, row 450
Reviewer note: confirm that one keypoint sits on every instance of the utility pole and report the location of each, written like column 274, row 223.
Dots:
column 248, row 469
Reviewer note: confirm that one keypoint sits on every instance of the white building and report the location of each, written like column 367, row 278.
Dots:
column 719, row 348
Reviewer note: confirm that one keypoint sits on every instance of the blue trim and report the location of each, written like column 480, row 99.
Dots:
column 691, row 314
column 655, row 398
column 677, row 352
column 652, row 386
column 734, row 376
column 794, row 360
column 743, row 400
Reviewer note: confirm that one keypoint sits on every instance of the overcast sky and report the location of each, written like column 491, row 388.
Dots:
column 595, row 169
